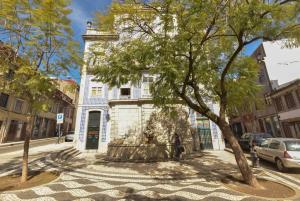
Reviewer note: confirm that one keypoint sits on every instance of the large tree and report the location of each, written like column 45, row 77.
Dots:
column 37, row 43
column 196, row 50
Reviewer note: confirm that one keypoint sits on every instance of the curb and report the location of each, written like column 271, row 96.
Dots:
column 10, row 144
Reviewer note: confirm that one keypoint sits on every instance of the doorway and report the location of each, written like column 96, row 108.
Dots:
column 93, row 130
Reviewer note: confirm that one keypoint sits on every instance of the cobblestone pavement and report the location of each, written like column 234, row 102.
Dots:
column 188, row 180
column 87, row 185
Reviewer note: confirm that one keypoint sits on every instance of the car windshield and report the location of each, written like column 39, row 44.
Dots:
column 292, row 145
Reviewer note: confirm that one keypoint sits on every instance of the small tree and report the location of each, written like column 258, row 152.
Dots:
column 195, row 48
column 37, row 36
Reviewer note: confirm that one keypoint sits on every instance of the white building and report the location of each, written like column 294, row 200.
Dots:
column 107, row 113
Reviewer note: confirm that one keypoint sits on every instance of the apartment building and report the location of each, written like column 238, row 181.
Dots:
column 286, row 99
column 278, row 66
column 105, row 113
column 13, row 116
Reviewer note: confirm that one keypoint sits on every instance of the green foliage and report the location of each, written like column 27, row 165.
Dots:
column 194, row 48
column 38, row 37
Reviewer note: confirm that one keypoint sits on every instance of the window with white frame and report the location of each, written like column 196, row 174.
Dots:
column 147, row 80
column 18, row 105
column 96, row 91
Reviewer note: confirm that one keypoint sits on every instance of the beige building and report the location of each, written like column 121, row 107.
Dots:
column 13, row 115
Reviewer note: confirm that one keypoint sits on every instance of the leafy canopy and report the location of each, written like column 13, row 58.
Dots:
column 38, row 38
column 194, row 47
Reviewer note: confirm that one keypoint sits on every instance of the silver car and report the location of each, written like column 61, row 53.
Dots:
column 285, row 152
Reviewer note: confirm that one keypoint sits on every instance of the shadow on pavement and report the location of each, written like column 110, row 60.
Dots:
column 203, row 165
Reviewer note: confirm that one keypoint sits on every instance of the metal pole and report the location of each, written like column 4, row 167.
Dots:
column 58, row 139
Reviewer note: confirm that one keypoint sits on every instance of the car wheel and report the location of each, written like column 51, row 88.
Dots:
column 280, row 165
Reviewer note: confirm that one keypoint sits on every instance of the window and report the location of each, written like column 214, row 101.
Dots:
column 18, row 105
column 96, row 91
column 3, row 99
column 67, row 112
column 125, row 93
column 287, row 130
column 268, row 100
column 290, row 101
column 292, row 145
column 274, row 145
column 265, row 144
column 278, row 103
column 261, row 125
column 54, row 108
column 147, row 80
column 261, row 77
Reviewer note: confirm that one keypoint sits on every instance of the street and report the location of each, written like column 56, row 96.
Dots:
column 4, row 148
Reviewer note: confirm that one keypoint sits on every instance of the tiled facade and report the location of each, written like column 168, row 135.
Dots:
column 121, row 109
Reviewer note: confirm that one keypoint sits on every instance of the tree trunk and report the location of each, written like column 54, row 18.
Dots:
column 26, row 148
column 240, row 158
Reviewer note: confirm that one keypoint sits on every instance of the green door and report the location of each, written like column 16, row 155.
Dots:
column 204, row 132
column 205, row 138
column 93, row 129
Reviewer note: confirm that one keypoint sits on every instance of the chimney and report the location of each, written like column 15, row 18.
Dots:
column 89, row 24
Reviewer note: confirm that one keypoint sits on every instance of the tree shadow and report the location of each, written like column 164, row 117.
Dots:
column 203, row 165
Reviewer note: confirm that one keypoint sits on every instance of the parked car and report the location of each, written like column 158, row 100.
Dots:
column 69, row 136
column 248, row 139
column 284, row 152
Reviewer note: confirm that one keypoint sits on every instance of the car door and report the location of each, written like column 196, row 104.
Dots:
column 274, row 150
column 262, row 149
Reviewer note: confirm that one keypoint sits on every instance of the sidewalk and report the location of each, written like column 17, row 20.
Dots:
column 291, row 178
column 10, row 162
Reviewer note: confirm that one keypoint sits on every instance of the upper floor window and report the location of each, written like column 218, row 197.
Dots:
column 96, row 91
column 18, row 105
column 268, row 99
column 125, row 93
column 54, row 108
column 261, row 77
column 279, row 104
column 3, row 99
column 147, row 80
column 67, row 112
column 290, row 101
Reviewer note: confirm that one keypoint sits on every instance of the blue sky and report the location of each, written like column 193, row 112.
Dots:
column 83, row 11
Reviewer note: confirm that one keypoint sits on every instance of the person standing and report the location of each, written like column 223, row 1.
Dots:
column 177, row 146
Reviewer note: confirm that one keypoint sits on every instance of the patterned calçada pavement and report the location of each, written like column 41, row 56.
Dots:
column 109, row 183
column 87, row 185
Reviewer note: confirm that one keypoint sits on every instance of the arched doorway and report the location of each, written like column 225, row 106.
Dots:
column 93, row 130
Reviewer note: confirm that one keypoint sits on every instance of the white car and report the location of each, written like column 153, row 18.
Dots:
column 69, row 137
column 284, row 152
